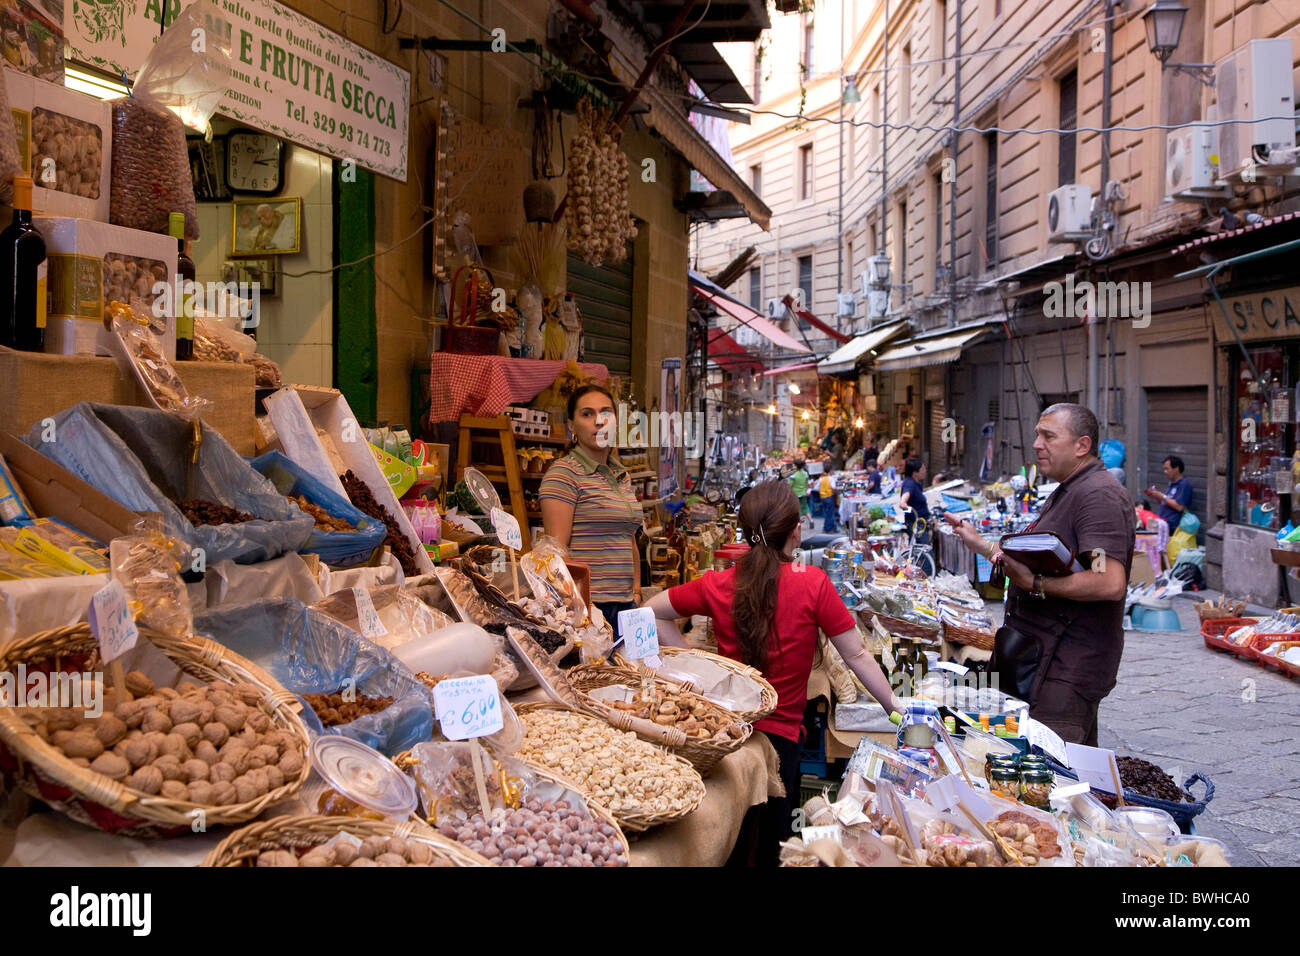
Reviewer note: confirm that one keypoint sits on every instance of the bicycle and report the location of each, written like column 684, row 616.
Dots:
column 919, row 551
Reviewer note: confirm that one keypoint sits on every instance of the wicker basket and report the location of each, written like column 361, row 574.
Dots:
column 898, row 625
column 596, row 809
column 704, row 755
column 629, row 821
column 769, row 699
column 42, row 771
column 291, row 833
column 977, row 637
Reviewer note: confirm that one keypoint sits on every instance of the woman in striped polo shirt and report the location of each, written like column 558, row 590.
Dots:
column 589, row 507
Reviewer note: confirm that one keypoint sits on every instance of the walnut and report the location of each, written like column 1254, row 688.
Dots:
column 140, row 752
column 194, row 769
column 62, row 720
column 223, row 794
column 188, row 687
column 363, row 861
column 170, row 693
column 230, row 716
column 221, row 773
column 291, row 764
column 111, row 765
column 206, row 752
column 390, row 859
column 216, row 733
column 274, row 778
column 175, row 790
column 155, row 721
column 170, row 767
column 82, row 743
column 81, row 762
column 259, row 721
column 418, row 852
column 138, row 684
column 317, row 856
column 250, row 694
column 345, row 853
column 277, row 858
column 372, row 846
column 146, row 779
column 200, row 791
column 245, row 790
column 189, row 732
column 185, row 712
column 130, row 712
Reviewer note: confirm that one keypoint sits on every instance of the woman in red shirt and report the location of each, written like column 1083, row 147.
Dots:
column 767, row 611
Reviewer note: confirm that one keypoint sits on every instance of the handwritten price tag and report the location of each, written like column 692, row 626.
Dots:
column 507, row 528
column 639, row 633
column 367, row 617
column 468, row 707
column 111, row 622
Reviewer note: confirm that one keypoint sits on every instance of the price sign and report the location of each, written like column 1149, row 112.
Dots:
column 468, row 707
column 639, row 633
column 507, row 528
column 367, row 617
column 111, row 622
column 831, row 832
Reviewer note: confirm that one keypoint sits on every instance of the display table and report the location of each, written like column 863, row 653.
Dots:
column 707, row 837
column 485, row 384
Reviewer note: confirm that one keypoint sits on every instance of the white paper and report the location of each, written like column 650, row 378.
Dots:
column 950, row 666
column 946, row 792
column 1040, row 735
column 507, row 528
column 830, row 832
column 639, row 632
column 111, row 622
column 468, row 707
column 367, row 617
column 1093, row 765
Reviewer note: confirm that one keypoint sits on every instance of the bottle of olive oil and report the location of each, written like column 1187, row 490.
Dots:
column 185, row 290
column 22, row 276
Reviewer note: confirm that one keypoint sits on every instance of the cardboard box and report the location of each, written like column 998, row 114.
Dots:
column 34, row 386
column 317, row 429
column 76, row 187
column 94, row 263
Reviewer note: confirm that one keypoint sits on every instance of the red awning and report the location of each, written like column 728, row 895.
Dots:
column 731, row 355
column 816, row 322
column 747, row 316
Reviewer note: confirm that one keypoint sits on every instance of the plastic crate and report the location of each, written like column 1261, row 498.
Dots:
column 810, row 787
column 812, row 756
column 1276, row 663
column 1252, row 649
column 1212, row 632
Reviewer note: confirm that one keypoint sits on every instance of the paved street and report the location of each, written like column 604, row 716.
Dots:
column 1188, row 708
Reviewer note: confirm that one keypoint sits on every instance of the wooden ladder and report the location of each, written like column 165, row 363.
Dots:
column 495, row 432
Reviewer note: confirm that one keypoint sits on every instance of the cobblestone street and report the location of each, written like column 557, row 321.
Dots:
column 1189, row 709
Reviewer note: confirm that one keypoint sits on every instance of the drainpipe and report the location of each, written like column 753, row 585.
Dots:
column 955, row 140
column 1106, row 86
column 884, row 149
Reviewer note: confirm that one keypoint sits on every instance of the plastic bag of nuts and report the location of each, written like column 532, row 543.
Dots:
column 151, row 169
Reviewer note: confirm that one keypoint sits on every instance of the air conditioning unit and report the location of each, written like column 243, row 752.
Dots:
column 1253, row 85
column 847, row 304
column 1191, row 166
column 775, row 309
column 1068, row 215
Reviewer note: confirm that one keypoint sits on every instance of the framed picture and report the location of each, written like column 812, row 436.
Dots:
column 265, row 227
column 261, row 271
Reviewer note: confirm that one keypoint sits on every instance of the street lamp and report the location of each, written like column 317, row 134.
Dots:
column 1164, row 23
column 851, row 94
column 794, row 389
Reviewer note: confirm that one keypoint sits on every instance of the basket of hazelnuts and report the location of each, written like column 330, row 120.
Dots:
column 144, row 760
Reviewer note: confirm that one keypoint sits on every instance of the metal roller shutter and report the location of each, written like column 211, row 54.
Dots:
column 604, row 295
column 938, row 454
column 1176, row 425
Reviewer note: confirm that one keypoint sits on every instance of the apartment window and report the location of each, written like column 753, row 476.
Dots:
column 906, row 82
column 936, row 191
column 756, row 179
column 805, row 283
column 757, row 80
column 806, row 58
column 875, row 241
column 805, row 172
column 940, row 42
column 756, row 289
column 991, row 199
column 1068, row 119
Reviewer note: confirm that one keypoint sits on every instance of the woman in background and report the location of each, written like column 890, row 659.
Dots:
column 767, row 612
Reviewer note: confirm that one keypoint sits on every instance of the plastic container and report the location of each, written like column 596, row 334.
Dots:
column 467, row 643
column 351, row 779
column 1154, row 825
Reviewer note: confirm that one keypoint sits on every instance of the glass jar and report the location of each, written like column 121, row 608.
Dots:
column 997, row 760
column 1036, row 786
column 1005, row 781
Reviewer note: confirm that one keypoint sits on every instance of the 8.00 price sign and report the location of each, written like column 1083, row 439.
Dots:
column 639, row 632
column 468, row 707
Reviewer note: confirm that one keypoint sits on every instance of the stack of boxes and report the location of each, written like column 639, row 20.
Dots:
column 529, row 422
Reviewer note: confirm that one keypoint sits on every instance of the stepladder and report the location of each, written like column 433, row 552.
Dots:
column 482, row 441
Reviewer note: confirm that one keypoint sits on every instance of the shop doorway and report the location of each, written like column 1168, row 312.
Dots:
column 1176, row 425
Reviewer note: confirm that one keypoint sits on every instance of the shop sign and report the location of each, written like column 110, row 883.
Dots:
column 288, row 75
column 1260, row 315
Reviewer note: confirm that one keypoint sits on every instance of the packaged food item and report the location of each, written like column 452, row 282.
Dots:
column 14, row 506
column 345, row 706
column 137, row 348
column 1036, row 787
column 148, row 565
column 1005, row 781
column 351, row 779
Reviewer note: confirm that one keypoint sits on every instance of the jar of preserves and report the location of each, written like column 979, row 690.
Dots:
column 1036, row 786
column 1005, row 781
column 998, row 760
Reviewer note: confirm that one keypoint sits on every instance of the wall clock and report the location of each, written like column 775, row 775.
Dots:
column 254, row 162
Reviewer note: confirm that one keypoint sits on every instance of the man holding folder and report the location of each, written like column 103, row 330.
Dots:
column 1064, row 633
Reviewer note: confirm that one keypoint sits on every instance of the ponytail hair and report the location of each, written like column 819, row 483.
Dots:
column 769, row 513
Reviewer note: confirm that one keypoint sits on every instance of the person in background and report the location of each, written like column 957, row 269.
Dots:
column 873, row 477
column 912, row 496
column 589, row 507
column 1065, row 635
column 799, row 485
column 767, row 612
column 830, row 512
column 1175, row 500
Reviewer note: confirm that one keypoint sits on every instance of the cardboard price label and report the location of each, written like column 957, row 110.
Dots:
column 367, row 617
column 111, row 622
column 639, row 632
column 468, row 707
column 507, row 528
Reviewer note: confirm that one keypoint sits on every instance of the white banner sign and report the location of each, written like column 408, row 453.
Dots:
column 288, row 75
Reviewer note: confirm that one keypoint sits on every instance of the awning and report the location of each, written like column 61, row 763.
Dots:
column 812, row 320
column 1033, row 277
column 1231, row 233
column 845, row 358
column 744, row 314
column 938, row 350
column 730, row 355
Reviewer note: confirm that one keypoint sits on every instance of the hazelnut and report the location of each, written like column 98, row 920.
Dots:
column 111, row 765
column 147, row 780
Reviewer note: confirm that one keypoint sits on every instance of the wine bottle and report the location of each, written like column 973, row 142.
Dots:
column 22, row 276
column 185, row 290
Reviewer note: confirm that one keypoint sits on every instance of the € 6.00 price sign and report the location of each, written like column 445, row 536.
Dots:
column 468, row 707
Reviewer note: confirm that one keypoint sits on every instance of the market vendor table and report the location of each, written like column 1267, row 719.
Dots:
column 707, row 837
column 485, row 384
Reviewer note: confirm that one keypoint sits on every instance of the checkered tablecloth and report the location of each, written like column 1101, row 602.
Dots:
column 486, row 384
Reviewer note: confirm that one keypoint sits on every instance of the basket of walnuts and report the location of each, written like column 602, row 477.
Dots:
column 218, row 748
